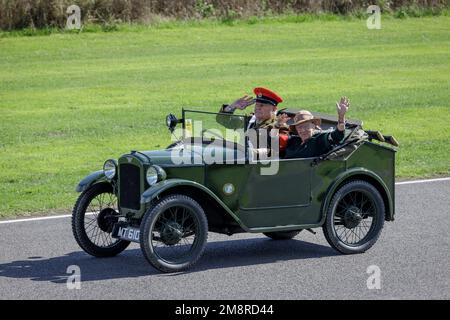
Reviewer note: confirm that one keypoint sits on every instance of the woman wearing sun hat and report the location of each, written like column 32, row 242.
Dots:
column 310, row 143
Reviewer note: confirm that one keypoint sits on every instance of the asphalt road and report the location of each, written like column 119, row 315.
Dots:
column 412, row 253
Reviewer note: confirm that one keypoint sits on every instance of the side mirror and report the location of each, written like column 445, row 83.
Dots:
column 171, row 122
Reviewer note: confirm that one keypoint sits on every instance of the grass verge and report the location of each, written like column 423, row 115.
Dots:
column 70, row 101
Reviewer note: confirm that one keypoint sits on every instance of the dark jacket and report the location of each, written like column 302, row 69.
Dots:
column 319, row 144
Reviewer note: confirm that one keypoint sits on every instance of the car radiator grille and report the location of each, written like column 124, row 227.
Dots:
column 129, row 184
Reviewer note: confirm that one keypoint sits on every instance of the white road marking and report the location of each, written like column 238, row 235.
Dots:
column 421, row 181
column 90, row 213
column 41, row 218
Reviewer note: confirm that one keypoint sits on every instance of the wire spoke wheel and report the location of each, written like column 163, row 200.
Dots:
column 93, row 219
column 174, row 233
column 100, row 218
column 355, row 217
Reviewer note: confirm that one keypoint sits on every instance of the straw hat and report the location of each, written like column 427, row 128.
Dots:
column 302, row 117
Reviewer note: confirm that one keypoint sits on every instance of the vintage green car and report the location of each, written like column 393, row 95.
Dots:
column 169, row 206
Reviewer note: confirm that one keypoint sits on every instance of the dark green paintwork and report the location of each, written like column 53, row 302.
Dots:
column 296, row 198
column 162, row 186
column 95, row 177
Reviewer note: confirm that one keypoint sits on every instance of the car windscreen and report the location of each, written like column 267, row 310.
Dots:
column 210, row 126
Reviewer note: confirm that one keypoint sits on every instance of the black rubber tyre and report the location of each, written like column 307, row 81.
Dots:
column 282, row 235
column 89, row 235
column 164, row 224
column 351, row 208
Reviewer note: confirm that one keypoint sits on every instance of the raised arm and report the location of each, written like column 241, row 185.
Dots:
column 240, row 103
column 342, row 107
column 232, row 122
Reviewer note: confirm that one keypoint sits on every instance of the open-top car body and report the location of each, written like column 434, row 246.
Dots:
column 169, row 206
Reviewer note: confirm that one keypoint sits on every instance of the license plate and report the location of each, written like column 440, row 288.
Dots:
column 125, row 232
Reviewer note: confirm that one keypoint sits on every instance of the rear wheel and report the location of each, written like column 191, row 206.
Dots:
column 174, row 233
column 282, row 235
column 93, row 218
column 355, row 217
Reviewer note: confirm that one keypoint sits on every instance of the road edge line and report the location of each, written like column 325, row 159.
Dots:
column 40, row 218
column 421, row 181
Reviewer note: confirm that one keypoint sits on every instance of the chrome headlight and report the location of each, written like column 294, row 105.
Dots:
column 155, row 174
column 110, row 169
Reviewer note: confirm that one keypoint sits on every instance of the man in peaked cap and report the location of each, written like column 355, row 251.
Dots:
column 264, row 116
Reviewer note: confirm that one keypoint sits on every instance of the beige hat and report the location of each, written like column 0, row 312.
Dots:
column 302, row 117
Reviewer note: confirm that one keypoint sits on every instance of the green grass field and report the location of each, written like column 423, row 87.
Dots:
column 70, row 101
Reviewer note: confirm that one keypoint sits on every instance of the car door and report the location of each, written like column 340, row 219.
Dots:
column 279, row 199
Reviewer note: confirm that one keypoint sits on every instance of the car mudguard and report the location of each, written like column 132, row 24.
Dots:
column 93, row 178
column 357, row 172
column 155, row 190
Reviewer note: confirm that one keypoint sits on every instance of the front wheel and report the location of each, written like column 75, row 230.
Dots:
column 93, row 218
column 174, row 233
column 355, row 217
